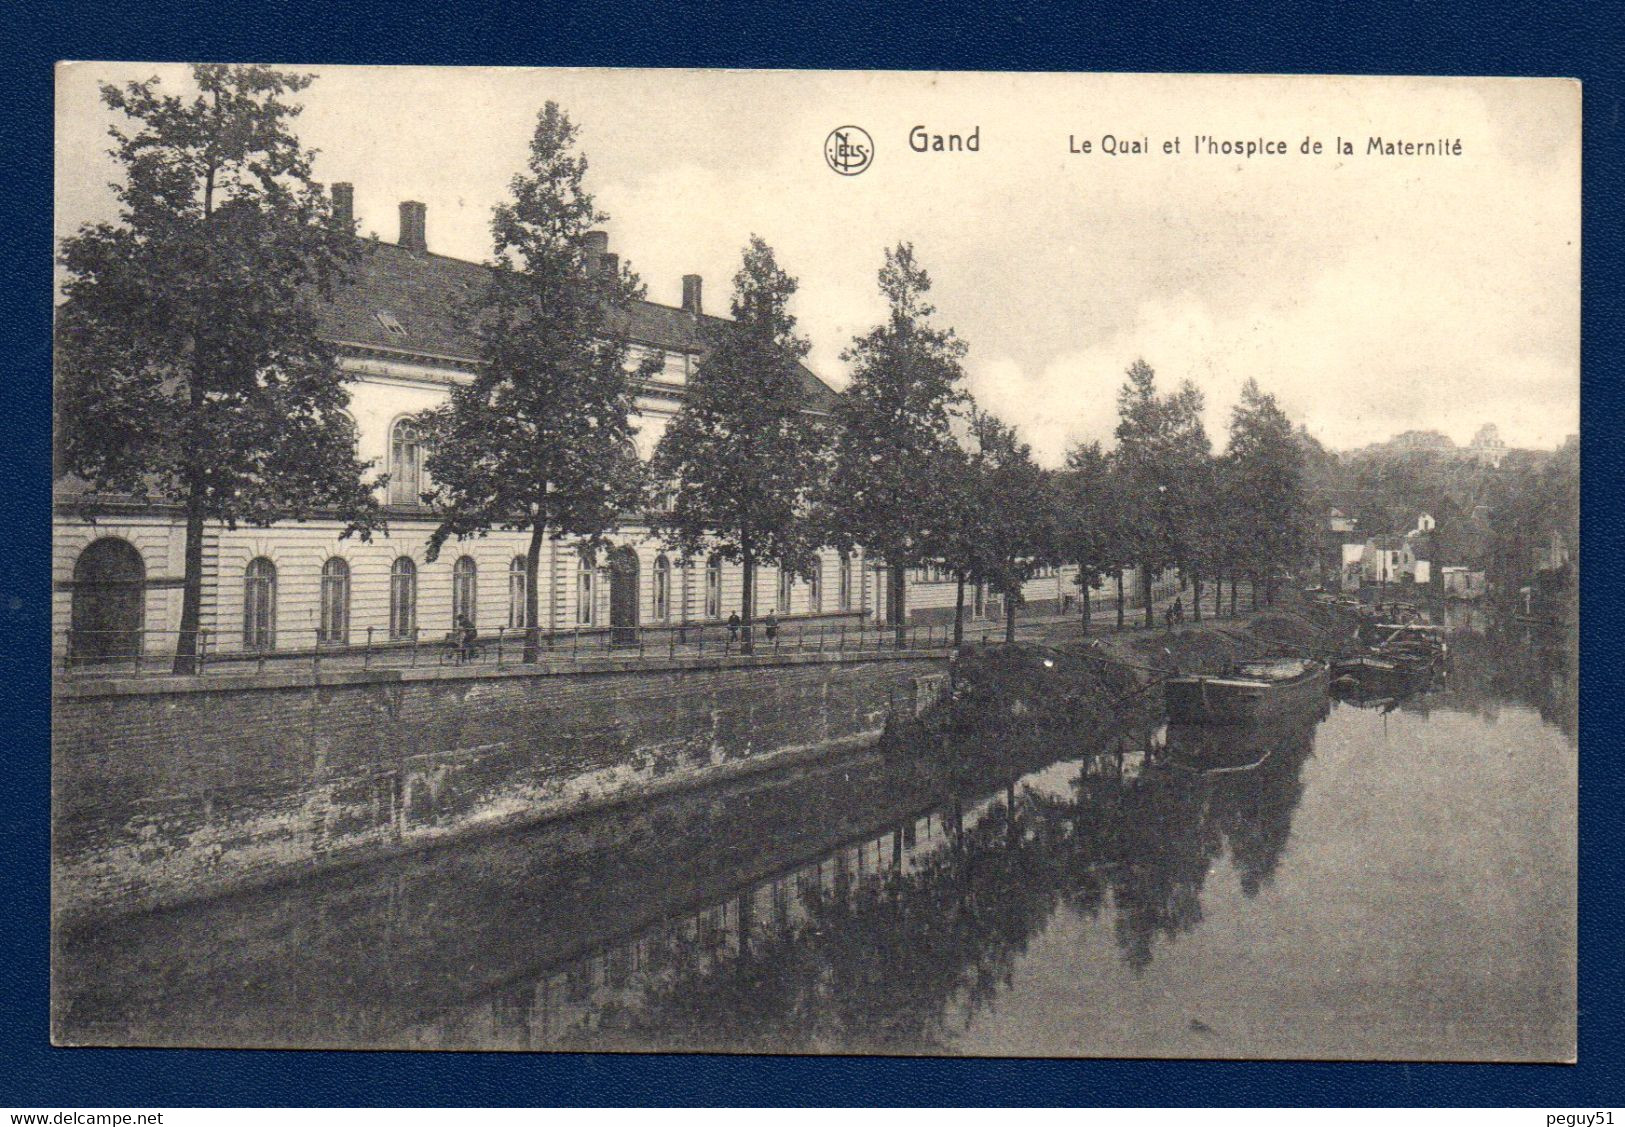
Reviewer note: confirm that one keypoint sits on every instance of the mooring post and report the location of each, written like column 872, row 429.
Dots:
column 366, row 654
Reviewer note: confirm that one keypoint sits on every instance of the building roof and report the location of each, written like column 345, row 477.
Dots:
column 405, row 301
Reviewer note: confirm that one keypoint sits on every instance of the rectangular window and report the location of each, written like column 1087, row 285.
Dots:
column 259, row 606
column 516, row 594
column 403, row 599
column 334, row 627
column 713, row 589
column 584, row 595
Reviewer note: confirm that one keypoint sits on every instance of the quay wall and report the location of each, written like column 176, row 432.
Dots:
column 166, row 790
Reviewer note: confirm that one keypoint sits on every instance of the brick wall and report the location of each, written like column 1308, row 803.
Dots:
column 165, row 791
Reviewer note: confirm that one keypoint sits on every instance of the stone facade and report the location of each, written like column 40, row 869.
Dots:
column 168, row 789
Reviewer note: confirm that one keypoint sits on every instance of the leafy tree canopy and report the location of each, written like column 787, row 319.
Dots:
column 541, row 437
column 189, row 366
column 894, row 420
column 188, row 362
column 742, row 458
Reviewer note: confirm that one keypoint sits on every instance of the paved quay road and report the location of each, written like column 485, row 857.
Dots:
column 1386, row 881
column 502, row 648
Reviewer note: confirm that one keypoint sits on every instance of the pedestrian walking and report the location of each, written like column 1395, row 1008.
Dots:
column 466, row 637
column 733, row 628
column 772, row 625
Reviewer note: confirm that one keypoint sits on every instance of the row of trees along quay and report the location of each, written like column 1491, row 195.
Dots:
column 189, row 369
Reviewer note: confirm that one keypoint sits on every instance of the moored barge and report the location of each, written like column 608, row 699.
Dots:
column 1250, row 691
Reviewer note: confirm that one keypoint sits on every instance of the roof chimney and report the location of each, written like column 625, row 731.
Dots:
column 594, row 245
column 691, row 294
column 414, row 226
column 344, row 206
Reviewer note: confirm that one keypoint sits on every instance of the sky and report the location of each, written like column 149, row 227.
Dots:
column 1370, row 294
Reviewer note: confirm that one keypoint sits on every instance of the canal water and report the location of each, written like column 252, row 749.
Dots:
column 1375, row 879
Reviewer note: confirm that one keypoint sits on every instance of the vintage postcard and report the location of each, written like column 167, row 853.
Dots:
column 815, row 562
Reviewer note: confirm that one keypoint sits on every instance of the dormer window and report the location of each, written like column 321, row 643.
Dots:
column 390, row 324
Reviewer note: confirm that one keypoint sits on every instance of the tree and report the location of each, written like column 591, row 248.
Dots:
column 1014, row 531
column 742, row 457
column 1162, row 457
column 955, row 531
column 1089, row 518
column 1267, row 500
column 541, row 438
column 188, row 362
column 892, row 425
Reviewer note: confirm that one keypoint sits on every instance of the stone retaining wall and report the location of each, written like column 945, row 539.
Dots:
column 166, row 790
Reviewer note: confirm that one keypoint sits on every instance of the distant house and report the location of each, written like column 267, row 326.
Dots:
column 1463, row 583
column 1387, row 559
column 1487, row 448
column 1352, row 567
column 1336, row 529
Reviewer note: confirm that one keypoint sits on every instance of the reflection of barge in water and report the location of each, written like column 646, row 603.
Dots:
column 1251, row 691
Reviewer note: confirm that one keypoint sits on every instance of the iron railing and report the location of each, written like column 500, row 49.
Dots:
column 145, row 652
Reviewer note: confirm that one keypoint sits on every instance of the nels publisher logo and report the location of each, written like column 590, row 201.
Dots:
column 848, row 150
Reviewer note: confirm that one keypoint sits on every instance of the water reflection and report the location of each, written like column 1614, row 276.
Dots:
column 882, row 903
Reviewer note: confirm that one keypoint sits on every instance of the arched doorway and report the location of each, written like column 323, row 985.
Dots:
column 109, row 601
column 623, row 597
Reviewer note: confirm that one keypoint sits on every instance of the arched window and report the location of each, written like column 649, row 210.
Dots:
column 713, row 587
column 403, row 598
column 586, row 574
column 517, row 619
column 786, row 579
column 406, row 463
column 259, row 605
column 109, row 590
column 334, row 627
column 465, row 580
column 815, row 587
column 662, row 589
column 845, row 594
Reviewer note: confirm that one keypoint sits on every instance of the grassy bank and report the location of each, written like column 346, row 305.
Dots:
column 1066, row 681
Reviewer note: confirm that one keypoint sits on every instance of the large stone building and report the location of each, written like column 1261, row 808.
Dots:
column 296, row 587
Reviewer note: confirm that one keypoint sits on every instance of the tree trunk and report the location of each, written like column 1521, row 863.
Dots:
column 1085, row 589
column 1232, row 594
column 1196, row 596
column 1120, row 600
column 533, row 603
column 1009, row 618
column 186, row 646
column 898, row 580
column 1145, row 585
column 959, row 611
column 1218, row 595
column 1252, row 588
column 747, row 600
